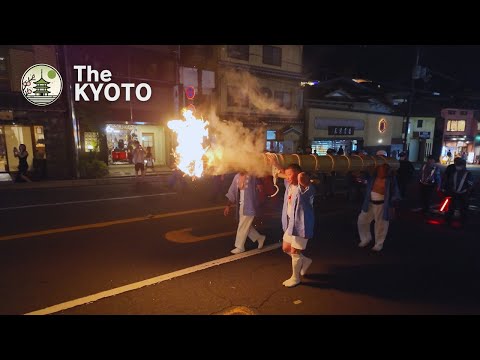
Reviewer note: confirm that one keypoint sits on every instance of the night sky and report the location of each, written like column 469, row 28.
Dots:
column 455, row 68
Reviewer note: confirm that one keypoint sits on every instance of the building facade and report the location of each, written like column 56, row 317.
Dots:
column 354, row 131
column 259, row 85
column 420, row 137
column 45, row 130
column 343, row 113
column 460, row 133
column 109, row 128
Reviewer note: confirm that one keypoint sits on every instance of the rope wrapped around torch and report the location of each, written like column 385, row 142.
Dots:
column 324, row 164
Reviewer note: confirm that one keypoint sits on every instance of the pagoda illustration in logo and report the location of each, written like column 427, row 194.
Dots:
column 41, row 86
column 41, row 92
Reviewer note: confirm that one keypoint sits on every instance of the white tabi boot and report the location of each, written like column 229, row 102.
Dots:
column 306, row 262
column 296, row 267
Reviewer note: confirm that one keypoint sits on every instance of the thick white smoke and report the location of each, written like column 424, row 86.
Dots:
column 232, row 146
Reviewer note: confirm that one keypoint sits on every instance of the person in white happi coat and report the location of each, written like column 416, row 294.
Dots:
column 381, row 190
column 243, row 193
column 298, row 220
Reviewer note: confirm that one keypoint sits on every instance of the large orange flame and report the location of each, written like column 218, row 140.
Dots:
column 191, row 136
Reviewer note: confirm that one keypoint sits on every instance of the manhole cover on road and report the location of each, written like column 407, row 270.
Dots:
column 238, row 310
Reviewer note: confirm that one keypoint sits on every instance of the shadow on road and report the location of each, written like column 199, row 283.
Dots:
column 451, row 283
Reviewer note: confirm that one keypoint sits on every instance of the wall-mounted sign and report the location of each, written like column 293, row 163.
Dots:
column 424, row 134
column 340, row 130
column 190, row 92
column 322, row 123
column 382, row 125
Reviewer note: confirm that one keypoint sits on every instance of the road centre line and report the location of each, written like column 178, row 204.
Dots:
column 108, row 223
column 122, row 221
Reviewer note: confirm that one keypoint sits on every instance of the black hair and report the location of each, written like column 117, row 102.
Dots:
column 294, row 167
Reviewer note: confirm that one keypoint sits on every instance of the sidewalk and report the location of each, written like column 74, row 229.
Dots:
column 5, row 184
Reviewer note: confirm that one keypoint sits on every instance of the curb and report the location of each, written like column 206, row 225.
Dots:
column 80, row 182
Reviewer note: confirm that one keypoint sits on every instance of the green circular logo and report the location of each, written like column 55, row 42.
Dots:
column 41, row 84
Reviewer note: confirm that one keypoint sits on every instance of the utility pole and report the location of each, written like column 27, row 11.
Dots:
column 74, row 126
column 415, row 75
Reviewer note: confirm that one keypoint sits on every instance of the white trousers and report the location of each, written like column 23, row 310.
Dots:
column 375, row 212
column 245, row 229
column 297, row 242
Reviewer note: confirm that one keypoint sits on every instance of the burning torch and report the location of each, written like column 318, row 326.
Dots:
column 194, row 156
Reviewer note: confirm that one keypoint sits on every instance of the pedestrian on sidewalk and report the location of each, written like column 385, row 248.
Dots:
column 449, row 157
column 139, row 160
column 243, row 193
column 149, row 161
column 297, row 220
column 22, row 154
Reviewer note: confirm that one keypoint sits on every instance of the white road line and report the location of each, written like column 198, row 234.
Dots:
column 158, row 279
column 85, row 201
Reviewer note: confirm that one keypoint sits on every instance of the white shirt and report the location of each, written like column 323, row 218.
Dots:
column 138, row 156
column 376, row 196
column 291, row 191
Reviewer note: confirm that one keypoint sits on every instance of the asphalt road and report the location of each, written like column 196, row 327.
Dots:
column 92, row 250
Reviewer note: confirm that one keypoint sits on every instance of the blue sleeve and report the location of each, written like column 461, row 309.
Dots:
column 231, row 191
column 308, row 195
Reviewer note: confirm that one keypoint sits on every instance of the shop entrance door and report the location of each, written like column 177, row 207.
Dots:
column 14, row 136
column 3, row 152
column 147, row 140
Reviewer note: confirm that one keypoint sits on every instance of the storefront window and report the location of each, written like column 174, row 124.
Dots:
column 456, row 125
column 91, row 141
column 147, row 140
column 274, row 146
column 39, row 142
column 121, row 139
column 14, row 136
column 271, row 134
column 321, row 146
column 3, row 152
